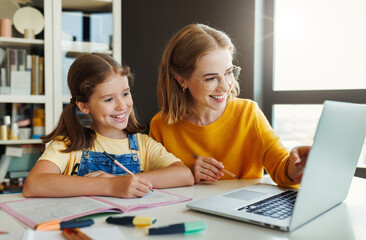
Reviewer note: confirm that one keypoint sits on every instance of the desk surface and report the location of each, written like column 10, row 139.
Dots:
column 345, row 221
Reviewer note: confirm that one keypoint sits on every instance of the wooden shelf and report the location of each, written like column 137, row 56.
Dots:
column 88, row 5
column 21, row 42
column 22, row 98
column 20, row 142
column 74, row 47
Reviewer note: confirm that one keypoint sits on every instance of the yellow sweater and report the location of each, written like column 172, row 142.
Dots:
column 242, row 139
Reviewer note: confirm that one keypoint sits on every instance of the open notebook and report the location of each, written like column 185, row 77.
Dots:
column 32, row 211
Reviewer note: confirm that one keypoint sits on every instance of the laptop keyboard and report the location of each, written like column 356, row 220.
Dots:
column 279, row 206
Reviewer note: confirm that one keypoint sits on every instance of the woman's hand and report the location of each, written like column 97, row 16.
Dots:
column 298, row 158
column 205, row 168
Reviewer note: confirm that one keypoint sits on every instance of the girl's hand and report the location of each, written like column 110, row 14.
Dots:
column 99, row 173
column 298, row 158
column 130, row 186
column 205, row 168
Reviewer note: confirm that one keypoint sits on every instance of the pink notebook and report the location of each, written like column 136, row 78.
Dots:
column 32, row 211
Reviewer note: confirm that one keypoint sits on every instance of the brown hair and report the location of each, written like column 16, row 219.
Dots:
column 86, row 72
column 179, row 58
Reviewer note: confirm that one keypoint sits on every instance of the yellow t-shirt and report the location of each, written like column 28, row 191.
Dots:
column 152, row 155
column 242, row 139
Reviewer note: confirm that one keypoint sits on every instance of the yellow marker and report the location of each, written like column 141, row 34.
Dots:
column 138, row 221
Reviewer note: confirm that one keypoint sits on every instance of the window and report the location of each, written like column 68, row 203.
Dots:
column 319, row 45
column 311, row 51
column 296, row 124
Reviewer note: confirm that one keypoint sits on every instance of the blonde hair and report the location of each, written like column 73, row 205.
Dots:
column 179, row 58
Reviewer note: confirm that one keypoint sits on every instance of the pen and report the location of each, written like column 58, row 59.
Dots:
column 224, row 170
column 118, row 163
column 60, row 225
column 187, row 227
column 138, row 221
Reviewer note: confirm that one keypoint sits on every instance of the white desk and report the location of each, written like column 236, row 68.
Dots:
column 346, row 221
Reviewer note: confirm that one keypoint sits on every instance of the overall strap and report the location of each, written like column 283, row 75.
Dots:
column 133, row 142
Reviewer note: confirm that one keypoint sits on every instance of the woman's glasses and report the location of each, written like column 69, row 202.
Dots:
column 213, row 82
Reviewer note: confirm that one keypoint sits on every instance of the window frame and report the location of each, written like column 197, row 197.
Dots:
column 263, row 91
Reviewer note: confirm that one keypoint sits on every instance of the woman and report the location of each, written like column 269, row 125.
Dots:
column 202, row 116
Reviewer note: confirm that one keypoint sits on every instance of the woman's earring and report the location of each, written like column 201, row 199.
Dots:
column 184, row 89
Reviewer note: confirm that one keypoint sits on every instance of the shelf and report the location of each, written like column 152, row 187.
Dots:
column 22, row 98
column 74, row 48
column 88, row 5
column 59, row 50
column 19, row 142
column 20, row 42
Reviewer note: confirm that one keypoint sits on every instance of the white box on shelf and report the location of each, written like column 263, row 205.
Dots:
column 4, row 90
column 13, row 151
column 20, row 82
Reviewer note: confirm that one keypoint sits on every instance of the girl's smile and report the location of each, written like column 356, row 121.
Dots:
column 110, row 106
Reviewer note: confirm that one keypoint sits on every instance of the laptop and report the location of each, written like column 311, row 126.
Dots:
column 326, row 180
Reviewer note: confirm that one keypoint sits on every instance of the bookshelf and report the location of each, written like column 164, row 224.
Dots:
column 20, row 96
column 104, row 15
column 59, row 45
column 40, row 46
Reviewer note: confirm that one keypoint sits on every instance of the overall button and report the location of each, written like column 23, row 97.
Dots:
column 134, row 157
column 86, row 155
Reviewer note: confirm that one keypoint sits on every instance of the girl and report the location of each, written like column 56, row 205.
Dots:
column 197, row 90
column 74, row 163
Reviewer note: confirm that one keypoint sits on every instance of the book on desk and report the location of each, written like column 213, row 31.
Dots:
column 33, row 211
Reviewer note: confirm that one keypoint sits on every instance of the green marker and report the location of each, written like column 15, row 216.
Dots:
column 187, row 227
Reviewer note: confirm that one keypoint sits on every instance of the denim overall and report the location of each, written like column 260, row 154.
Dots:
column 95, row 161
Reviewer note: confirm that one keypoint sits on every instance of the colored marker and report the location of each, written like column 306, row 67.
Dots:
column 118, row 163
column 188, row 227
column 224, row 170
column 138, row 221
column 60, row 225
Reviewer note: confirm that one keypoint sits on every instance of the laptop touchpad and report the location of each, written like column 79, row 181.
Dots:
column 245, row 195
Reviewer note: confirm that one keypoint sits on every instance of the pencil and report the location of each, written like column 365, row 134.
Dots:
column 230, row 173
column 118, row 163
column 82, row 235
column 224, row 170
column 69, row 234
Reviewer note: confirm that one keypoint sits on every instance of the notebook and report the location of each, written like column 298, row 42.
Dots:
column 326, row 181
column 32, row 211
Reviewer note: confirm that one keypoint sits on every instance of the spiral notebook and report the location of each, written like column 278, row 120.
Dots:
column 32, row 211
